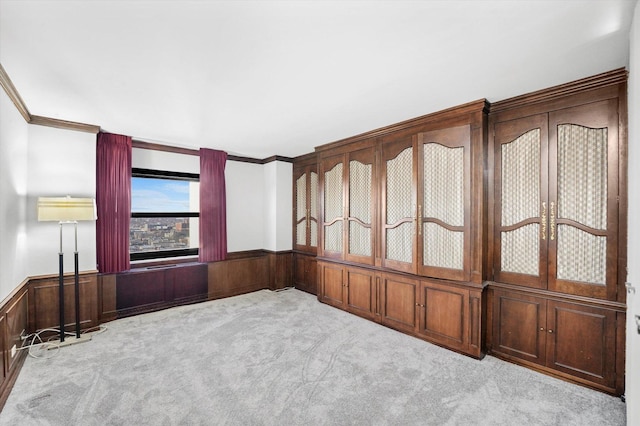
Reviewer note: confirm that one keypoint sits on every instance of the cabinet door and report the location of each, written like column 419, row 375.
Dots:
column 581, row 341
column 444, row 203
column 519, row 326
column 583, row 207
column 312, row 274
column 398, row 302
column 332, row 285
column 332, row 170
column 444, row 314
column 360, row 208
column 300, row 205
column 361, row 292
column 398, row 205
column 521, row 204
column 304, row 273
column 305, row 210
column 299, row 270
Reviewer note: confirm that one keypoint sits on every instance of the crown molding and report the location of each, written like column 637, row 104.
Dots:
column 64, row 124
column 597, row 81
column 13, row 94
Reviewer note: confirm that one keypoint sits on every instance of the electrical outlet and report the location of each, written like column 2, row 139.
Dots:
column 14, row 349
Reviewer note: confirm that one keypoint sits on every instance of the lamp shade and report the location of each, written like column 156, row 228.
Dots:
column 62, row 209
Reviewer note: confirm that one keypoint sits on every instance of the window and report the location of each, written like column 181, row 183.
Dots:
column 164, row 214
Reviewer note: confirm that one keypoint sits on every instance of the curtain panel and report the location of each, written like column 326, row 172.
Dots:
column 113, row 199
column 213, row 206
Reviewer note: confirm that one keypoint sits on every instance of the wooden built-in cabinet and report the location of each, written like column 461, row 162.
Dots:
column 445, row 313
column 499, row 229
column 574, row 340
column 397, row 219
column 426, row 202
column 557, row 165
column 305, row 272
column 305, row 222
column 348, row 200
column 305, row 205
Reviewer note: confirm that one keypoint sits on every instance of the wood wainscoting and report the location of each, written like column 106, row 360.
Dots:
column 33, row 305
column 13, row 324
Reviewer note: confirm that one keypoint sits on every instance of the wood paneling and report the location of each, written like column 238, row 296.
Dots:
column 44, row 296
column 107, row 310
column 280, row 270
column 14, row 322
column 238, row 276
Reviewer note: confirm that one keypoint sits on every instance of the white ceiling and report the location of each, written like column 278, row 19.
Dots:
column 260, row 78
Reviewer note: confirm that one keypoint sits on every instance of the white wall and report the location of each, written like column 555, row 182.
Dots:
column 61, row 162
column 13, row 196
column 633, row 300
column 245, row 206
column 278, row 205
column 161, row 160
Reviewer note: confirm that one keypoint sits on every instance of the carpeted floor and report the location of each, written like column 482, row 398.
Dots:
column 282, row 358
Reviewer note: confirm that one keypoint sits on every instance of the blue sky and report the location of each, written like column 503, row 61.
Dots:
column 159, row 195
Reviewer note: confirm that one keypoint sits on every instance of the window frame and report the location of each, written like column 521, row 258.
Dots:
column 137, row 172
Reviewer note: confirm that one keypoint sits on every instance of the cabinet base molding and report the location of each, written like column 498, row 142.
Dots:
column 445, row 313
column 554, row 373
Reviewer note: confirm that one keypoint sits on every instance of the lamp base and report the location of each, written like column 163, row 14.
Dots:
column 69, row 340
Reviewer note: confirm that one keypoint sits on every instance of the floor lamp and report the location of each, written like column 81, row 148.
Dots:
column 67, row 210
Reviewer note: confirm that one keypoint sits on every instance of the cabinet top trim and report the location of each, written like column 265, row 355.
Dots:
column 481, row 105
column 609, row 78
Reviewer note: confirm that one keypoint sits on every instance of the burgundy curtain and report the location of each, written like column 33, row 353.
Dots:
column 113, row 199
column 213, row 206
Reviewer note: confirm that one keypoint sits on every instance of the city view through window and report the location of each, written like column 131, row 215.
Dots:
column 159, row 222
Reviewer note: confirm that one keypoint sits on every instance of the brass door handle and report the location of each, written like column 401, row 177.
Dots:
column 552, row 219
column 543, row 220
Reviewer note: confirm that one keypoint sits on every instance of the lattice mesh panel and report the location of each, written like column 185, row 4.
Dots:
column 582, row 175
column 301, row 233
column 444, row 183
column 333, row 237
column 360, row 207
column 360, row 191
column 399, row 171
column 520, row 250
column 333, row 193
column 314, row 233
column 521, row 178
column 400, row 243
column 583, row 256
column 301, row 209
column 314, row 195
column 314, row 209
column 442, row 247
column 359, row 239
column 301, row 197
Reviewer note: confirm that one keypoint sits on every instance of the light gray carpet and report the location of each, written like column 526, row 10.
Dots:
column 282, row 358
